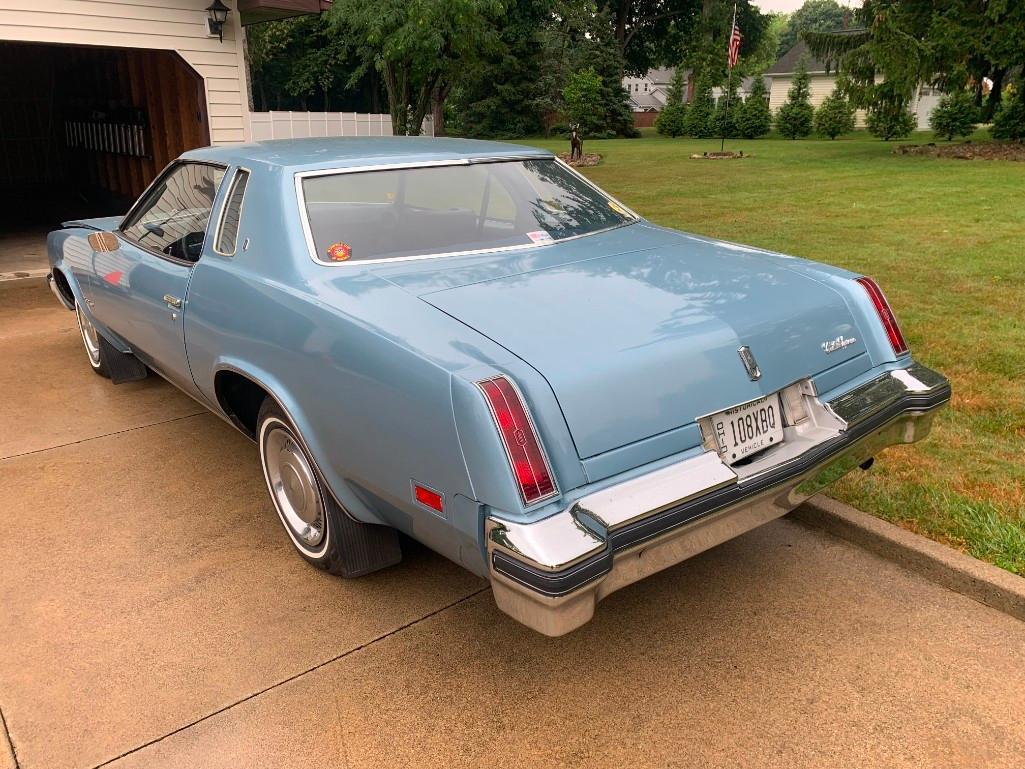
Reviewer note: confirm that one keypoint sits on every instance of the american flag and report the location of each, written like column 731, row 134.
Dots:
column 735, row 39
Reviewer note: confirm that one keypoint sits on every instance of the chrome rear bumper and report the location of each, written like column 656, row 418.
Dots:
column 550, row 574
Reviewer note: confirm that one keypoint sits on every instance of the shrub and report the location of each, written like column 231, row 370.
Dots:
column 698, row 122
column 753, row 116
column 1009, row 122
column 672, row 120
column 955, row 115
column 835, row 116
column 889, row 120
column 794, row 119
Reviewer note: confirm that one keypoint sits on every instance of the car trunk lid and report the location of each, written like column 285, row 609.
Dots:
column 639, row 343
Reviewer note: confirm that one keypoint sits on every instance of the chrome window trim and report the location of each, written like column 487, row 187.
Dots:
column 311, row 248
column 537, row 435
column 235, row 178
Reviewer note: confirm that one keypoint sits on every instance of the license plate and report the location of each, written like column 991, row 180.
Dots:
column 748, row 429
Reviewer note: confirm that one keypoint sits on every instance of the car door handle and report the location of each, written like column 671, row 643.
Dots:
column 173, row 301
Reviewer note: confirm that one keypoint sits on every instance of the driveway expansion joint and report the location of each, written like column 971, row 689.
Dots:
column 296, row 676
column 983, row 582
column 8, row 741
column 104, row 435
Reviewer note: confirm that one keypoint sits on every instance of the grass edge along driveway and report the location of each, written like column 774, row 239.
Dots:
column 945, row 239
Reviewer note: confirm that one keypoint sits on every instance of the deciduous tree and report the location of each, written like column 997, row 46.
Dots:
column 1009, row 122
column 418, row 46
column 813, row 16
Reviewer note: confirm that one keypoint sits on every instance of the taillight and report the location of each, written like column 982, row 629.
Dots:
column 526, row 457
column 900, row 347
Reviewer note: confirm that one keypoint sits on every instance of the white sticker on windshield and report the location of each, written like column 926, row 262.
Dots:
column 539, row 236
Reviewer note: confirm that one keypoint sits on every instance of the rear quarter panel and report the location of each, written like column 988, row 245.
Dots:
column 369, row 373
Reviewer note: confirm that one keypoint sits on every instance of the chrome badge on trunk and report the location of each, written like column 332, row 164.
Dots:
column 750, row 364
column 832, row 345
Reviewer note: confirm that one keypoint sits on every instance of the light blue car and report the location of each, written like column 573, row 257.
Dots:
column 470, row 343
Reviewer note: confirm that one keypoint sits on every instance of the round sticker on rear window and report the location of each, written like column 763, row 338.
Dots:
column 339, row 252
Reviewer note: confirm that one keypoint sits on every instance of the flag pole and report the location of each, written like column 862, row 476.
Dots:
column 729, row 80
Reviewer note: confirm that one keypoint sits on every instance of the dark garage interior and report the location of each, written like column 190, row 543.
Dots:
column 83, row 130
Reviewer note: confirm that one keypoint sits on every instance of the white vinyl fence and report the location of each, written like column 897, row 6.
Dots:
column 300, row 125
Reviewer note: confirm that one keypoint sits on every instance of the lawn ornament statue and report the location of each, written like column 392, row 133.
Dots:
column 576, row 144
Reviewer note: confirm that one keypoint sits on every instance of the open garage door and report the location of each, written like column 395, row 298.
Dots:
column 83, row 130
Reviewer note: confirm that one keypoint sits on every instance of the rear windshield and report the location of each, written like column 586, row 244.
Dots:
column 441, row 209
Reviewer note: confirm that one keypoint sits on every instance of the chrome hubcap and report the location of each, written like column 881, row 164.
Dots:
column 294, row 486
column 89, row 337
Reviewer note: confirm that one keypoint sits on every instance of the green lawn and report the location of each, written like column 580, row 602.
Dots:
column 945, row 239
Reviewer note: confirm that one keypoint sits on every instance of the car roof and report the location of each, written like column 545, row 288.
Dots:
column 353, row 151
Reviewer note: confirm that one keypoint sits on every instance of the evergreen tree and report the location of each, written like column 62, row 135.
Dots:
column 502, row 97
column 955, row 115
column 888, row 116
column 835, row 116
column 676, row 84
column 1009, row 122
column 795, row 117
column 754, row 118
column 671, row 121
column 701, row 111
column 724, row 120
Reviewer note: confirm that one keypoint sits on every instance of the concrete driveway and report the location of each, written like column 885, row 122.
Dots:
column 153, row 614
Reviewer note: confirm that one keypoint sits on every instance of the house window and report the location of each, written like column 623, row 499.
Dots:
column 645, row 87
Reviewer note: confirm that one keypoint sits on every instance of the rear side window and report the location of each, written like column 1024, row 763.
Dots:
column 227, row 230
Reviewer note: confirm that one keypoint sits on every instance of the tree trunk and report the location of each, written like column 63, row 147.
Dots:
column 622, row 13
column 438, row 108
column 423, row 103
column 398, row 99
column 993, row 100
column 375, row 91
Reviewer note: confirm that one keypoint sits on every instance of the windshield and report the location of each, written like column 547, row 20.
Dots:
column 441, row 209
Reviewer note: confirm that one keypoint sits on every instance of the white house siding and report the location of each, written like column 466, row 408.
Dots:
column 176, row 25
column 821, row 87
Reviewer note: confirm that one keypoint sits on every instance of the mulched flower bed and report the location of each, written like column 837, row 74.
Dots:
column 720, row 155
column 966, row 150
column 589, row 159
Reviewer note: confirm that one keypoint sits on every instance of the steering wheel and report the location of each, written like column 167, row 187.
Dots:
column 188, row 248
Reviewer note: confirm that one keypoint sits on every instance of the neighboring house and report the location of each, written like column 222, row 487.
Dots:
column 743, row 89
column 648, row 94
column 822, row 81
column 96, row 97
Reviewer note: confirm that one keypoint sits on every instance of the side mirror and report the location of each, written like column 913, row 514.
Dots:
column 102, row 242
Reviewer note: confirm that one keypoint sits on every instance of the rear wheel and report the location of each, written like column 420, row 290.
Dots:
column 322, row 532
column 94, row 350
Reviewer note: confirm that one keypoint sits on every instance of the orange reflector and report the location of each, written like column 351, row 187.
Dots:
column 428, row 497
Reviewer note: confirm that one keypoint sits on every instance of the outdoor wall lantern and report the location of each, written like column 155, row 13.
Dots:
column 218, row 13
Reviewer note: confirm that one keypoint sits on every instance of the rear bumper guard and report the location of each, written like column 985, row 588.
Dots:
column 550, row 574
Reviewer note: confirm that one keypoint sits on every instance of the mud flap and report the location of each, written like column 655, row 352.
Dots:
column 121, row 366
